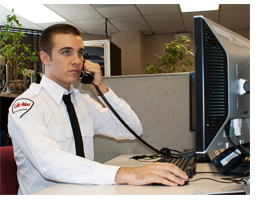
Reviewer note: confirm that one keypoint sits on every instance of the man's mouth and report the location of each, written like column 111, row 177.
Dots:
column 74, row 71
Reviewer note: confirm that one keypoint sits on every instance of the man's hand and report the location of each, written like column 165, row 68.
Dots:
column 164, row 173
column 98, row 76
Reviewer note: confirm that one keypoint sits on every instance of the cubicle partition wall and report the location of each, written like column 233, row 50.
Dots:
column 161, row 102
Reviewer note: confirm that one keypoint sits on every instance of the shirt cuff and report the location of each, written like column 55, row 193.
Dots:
column 105, row 174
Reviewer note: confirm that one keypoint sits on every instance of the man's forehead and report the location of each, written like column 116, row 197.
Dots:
column 67, row 40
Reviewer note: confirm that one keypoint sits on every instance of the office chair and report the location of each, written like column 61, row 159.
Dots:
column 8, row 174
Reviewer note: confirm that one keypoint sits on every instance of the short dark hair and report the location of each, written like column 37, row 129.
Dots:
column 46, row 43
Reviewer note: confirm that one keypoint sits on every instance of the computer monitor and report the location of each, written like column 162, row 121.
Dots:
column 220, row 87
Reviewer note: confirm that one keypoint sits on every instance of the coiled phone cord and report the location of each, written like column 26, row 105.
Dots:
column 128, row 128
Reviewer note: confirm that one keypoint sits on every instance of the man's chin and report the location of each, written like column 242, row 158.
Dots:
column 74, row 81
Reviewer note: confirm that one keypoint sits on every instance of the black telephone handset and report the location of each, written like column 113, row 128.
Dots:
column 87, row 76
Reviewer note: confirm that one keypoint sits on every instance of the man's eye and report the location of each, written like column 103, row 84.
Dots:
column 66, row 52
column 80, row 53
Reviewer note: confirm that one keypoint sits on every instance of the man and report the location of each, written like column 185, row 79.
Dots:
column 42, row 134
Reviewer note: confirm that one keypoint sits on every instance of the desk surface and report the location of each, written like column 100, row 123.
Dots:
column 198, row 187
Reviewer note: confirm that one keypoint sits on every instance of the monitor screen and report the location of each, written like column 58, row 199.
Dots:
column 219, row 98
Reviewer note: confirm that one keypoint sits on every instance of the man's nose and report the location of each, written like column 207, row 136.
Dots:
column 76, row 59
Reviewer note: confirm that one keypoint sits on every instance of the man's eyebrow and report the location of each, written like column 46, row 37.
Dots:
column 70, row 48
column 66, row 48
column 82, row 49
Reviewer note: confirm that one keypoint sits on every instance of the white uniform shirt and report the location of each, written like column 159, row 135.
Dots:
column 43, row 140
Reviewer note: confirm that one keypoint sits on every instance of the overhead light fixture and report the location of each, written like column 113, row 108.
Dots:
column 34, row 12
column 197, row 7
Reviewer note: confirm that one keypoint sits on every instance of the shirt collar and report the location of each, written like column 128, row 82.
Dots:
column 55, row 90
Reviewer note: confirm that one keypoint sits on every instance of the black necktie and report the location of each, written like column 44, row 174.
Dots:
column 75, row 125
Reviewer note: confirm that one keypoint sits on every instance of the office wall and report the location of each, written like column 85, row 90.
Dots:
column 132, row 51
column 162, row 104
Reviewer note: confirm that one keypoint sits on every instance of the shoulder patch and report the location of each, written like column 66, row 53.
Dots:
column 22, row 106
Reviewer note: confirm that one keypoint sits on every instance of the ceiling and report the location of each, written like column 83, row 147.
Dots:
column 147, row 18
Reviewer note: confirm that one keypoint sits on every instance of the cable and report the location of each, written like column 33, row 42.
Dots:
column 127, row 127
column 106, row 28
column 243, row 148
column 212, row 180
column 208, row 172
column 146, row 158
column 227, row 132
column 237, row 174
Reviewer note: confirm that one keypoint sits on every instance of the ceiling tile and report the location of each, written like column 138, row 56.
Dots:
column 155, row 9
column 130, row 24
column 95, row 26
column 75, row 11
column 118, row 11
column 108, row 5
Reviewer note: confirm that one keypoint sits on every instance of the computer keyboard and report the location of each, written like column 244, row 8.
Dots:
column 186, row 162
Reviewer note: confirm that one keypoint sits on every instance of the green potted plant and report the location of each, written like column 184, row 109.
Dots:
column 16, row 54
column 176, row 57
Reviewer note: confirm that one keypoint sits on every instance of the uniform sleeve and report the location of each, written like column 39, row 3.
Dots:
column 30, row 134
column 107, row 123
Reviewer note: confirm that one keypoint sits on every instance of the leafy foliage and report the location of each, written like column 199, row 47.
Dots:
column 13, row 48
column 175, row 58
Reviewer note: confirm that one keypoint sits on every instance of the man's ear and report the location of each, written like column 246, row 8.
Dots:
column 45, row 58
